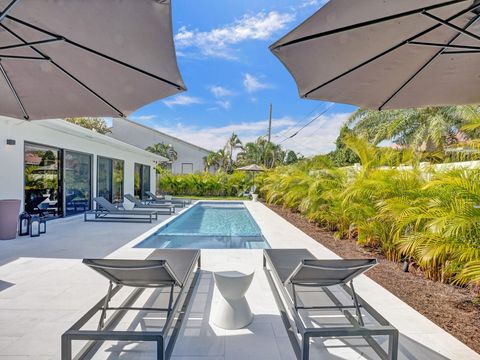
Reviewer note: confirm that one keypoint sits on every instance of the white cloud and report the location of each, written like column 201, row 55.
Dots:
column 317, row 138
column 310, row 3
column 226, row 104
column 214, row 138
column 220, row 91
column 182, row 100
column 143, row 117
column 252, row 83
column 218, row 41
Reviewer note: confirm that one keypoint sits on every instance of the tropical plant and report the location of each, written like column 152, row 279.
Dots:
column 429, row 128
column 165, row 150
column 98, row 125
column 431, row 218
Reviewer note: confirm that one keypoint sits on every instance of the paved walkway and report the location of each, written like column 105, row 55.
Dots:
column 45, row 289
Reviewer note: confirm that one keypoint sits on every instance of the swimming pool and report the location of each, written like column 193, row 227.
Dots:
column 209, row 225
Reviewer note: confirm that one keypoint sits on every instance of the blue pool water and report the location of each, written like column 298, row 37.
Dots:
column 209, row 225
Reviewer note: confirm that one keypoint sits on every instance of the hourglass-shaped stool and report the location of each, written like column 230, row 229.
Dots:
column 233, row 311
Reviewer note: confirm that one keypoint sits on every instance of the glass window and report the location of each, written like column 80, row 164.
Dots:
column 78, row 172
column 117, row 181
column 110, row 177
column 187, row 168
column 104, row 178
column 142, row 180
column 42, row 180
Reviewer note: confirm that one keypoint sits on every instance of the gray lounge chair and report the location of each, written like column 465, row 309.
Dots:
column 106, row 211
column 294, row 275
column 173, row 270
column 168, row 207
column 152, row 198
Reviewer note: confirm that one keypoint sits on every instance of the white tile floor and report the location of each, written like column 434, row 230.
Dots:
column 44, row 288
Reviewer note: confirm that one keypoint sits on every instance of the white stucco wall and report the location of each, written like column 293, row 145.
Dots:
column 59, row 133
column 142, row 137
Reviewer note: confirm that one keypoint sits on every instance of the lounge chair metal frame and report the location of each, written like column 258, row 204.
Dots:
column 106, row 216
column 175, row 313
column 152, row 199
column 289, row 308
column 138, row 204
column 108, row 212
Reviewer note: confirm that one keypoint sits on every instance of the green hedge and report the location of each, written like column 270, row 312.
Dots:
column 204, row 184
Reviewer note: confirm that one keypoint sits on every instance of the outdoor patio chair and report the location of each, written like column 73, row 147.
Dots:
column 303, row 287
column 169, row 208
column 106, row 211
column 152, row 198
column 174, row 272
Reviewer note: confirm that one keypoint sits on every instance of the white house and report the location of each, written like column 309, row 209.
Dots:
column 190, row 157
column 57, row 167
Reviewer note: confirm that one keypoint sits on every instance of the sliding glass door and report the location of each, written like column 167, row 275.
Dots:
column 142, row 180
column 43, row 179
column 78, row 178
column 110, row 178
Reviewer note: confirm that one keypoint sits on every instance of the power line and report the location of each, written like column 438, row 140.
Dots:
column 311, row 121
column 299, row 121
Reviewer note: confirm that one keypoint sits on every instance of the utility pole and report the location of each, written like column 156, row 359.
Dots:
column 270, row 124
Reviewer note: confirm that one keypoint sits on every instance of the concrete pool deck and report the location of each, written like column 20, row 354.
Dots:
column 44, row 289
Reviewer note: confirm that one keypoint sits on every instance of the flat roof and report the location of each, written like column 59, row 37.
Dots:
column 162, row 133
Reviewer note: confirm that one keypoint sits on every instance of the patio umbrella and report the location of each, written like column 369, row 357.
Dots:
column 66, row 58
column 384, row 54
column 254, row 168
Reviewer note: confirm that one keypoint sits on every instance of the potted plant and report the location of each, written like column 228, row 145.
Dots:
column 9, row 210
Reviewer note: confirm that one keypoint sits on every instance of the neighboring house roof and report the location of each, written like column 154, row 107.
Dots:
column 72, row 129
column 163, row 134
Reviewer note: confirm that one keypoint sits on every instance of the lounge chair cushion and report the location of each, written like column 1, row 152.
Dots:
column 154, row 271
column 179, row 260
column 285, row 261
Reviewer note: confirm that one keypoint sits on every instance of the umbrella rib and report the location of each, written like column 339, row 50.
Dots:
column 472, row 21
column 14, row 92
column 15, row 46
column 18, row 57
column 83, row 47
column 393, row 48
column 70, row 75
column 9, row 7
column 450, row 25
column 367, row 23
column 449, row 46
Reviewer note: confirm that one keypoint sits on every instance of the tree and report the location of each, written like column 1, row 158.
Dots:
column 291, row 157
column 213, row 159
column 165, row 150
column 343, row 155
column 98, row 125
column 430, row 128
column 234, row 143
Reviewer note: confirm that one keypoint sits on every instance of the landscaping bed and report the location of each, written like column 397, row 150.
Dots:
column 450, row 307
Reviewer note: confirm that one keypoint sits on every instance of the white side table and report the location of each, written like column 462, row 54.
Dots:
column 232, row 311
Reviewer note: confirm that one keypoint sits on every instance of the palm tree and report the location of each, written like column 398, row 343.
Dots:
column 165, row 150
column 234, row 143
column 429, row 128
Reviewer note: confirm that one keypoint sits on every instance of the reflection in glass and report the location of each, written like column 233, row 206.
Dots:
column 110, row 176
column 117, row 187
column 142, row 180
column 42, row 174
column 138, row 180
column 104, row 178
column 77, row 182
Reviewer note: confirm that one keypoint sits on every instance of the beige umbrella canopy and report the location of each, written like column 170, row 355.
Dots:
column 383, row 54
column 253, row 168
column 65, row 58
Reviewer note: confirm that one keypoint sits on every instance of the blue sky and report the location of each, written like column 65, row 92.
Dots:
column 223, row 55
